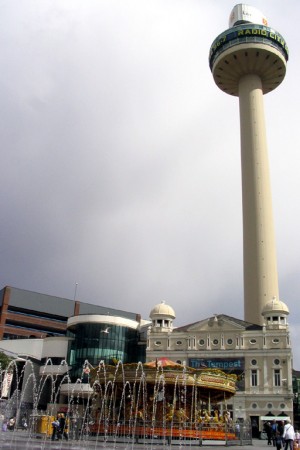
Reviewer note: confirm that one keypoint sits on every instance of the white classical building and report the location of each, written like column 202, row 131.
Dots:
column 261, row 356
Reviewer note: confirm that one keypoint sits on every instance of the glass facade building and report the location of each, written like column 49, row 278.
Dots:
column 98, row 338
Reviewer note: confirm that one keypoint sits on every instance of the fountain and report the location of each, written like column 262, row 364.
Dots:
column 158, row 401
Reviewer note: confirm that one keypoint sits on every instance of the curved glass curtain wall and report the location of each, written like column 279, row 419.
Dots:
column 97, row 341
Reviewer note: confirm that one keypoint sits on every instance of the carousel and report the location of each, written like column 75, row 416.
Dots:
column 161, row 399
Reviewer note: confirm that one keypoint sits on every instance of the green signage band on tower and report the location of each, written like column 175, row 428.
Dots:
column 245, row 34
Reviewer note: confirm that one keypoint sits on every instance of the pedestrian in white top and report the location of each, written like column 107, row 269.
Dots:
column 288, row 435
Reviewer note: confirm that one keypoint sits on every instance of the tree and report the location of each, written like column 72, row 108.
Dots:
column 4, row 360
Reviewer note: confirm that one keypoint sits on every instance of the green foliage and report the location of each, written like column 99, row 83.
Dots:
column 4, row 360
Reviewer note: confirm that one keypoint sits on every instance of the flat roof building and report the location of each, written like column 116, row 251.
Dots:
column 27, row 314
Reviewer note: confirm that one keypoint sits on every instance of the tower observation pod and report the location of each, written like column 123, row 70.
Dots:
column 249, row 60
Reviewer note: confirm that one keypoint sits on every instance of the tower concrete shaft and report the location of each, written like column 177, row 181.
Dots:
column 249, row 60
column 260, row 267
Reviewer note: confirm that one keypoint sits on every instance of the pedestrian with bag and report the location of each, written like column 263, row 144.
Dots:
column 288, row 435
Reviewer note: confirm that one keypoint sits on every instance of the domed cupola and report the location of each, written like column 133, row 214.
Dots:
column 162, row 316
column 275, row 313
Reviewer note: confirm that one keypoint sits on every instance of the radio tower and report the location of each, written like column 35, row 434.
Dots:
column 249, row 60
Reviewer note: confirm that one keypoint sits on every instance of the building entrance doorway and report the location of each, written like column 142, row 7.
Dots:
column 254, row 426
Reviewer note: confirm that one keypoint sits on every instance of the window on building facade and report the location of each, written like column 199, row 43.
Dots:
column 277, row 377
column 254, row 381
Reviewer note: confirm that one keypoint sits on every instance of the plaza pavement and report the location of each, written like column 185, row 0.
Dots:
column 21, row 440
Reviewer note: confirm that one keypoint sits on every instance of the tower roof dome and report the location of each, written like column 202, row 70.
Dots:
column 275, row 306
column 162, row 310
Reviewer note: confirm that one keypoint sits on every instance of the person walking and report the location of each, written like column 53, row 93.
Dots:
column 278, row 441
column 269, row 432
column 62, row 427
column 280, row 430
column 274, row 428
column 288, row 435
column 55, row 427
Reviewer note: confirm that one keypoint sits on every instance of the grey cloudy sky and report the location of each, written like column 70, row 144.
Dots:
column 121, row 158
